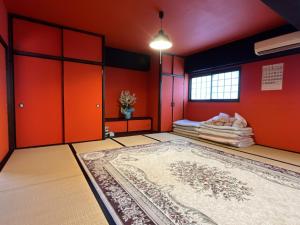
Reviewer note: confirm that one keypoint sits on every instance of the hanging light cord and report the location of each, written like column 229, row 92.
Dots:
column 161, row 16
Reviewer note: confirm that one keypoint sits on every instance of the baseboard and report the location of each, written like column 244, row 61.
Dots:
column 132, row 133
column 5, row 159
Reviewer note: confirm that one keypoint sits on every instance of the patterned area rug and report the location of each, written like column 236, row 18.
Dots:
column 182, row 183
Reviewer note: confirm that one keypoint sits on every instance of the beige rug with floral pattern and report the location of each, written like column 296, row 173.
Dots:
column 182, row 183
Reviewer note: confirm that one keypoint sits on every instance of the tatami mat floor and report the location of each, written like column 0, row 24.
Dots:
column 134, row 140
column 96, row 146
column 46, row 185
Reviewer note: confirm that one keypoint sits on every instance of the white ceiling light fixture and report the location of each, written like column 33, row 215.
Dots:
column 161, row 41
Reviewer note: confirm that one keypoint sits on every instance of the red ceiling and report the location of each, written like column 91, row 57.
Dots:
column 193, row 25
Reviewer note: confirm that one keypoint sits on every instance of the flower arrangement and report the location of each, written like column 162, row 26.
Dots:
column 127, row 101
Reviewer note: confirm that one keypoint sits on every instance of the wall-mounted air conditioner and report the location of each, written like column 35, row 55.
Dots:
column 278, row 44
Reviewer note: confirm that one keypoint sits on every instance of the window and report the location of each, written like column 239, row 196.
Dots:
column 216, row 87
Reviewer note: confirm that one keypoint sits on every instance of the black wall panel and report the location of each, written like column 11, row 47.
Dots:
column 235, row 53
column 127, row 60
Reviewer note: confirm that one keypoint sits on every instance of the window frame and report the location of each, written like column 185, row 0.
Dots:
column 210, row 73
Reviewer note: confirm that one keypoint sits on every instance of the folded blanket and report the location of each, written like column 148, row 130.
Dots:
column 187, row 131
column 183, row 132
column 187, row 123
column 185, row 127
column 222, row 132
column 249, row 129
column 245, row 142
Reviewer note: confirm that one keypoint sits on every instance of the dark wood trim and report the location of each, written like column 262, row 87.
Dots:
column 209, row 73
column 3, row 43
column 216, row 100
column 5, row 159
column 33, row 20
column 78, row 142
column 11, row 88
column 132, row 133
column 223, row 69
column 56, row 144
column 58, row 58
column 160, row 93
column 82, row 61
column 37, row 55
column 152, row 138
column 123, row 119
column 93, row 189
column 118, row 142
column 39, row 146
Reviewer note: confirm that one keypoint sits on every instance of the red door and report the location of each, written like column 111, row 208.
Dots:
column 83, row 102
column 82, row 46
column 166, row 101
column 37, row 38
column 178, row 91
column 38, row 101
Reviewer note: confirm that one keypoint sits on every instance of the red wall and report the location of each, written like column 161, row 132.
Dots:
column 122, row 79
column 3, row 22
column 153, row 90
column 272, row 114
column 144, row 84
column 4, row 146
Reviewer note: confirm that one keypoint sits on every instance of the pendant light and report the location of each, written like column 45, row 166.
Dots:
column 161, row 41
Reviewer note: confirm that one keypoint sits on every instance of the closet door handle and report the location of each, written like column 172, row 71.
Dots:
column 97, row 105
column 21, row 105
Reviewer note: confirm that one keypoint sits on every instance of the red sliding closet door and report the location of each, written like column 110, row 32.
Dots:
column 82, row 46
column 178, row 89
column 36, row 38
column 83, row 102
column 38, row 101
column 166, row 101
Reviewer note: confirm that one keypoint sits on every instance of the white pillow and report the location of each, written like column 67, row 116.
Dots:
column 221, row 115
column 241, row 121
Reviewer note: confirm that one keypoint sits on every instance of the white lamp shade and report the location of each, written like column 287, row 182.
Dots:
column 161, row 41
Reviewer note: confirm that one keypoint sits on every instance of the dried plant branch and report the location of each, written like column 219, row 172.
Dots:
column 127, row 100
